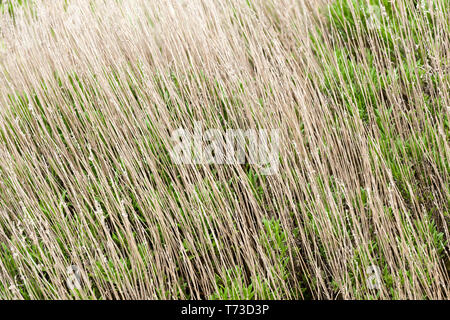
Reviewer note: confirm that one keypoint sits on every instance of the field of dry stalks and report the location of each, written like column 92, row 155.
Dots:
column 93, row 206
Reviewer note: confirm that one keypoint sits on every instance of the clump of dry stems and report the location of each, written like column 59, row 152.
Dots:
column 90, row 92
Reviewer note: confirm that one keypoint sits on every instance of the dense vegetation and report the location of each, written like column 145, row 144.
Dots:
column 90, row 92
